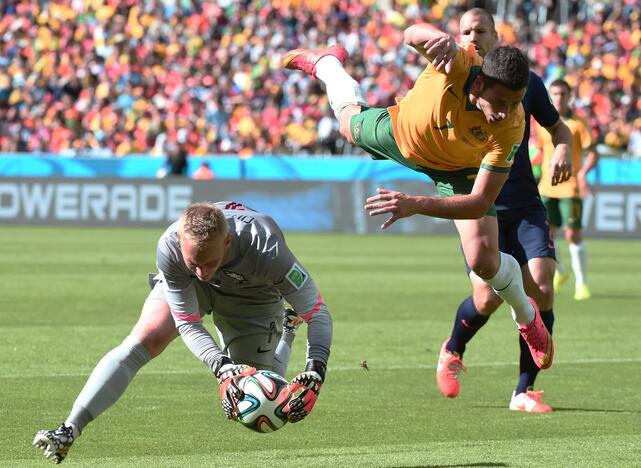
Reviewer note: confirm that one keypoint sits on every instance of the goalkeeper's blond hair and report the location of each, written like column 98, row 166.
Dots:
column 201, row 223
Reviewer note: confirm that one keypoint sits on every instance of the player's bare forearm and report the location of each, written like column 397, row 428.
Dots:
column 418, row 34
column 560, row 133
column 474, row 205
column 455, row 207
column 582, row 176
column 561, row 161
column 435, row 45
column 401, row 205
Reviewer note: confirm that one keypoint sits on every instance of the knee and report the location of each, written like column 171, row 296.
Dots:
column 540, row 281
column 546, row 302
column 155, row 328
column 486, row 302
column 155, row 342
column 570, row 235
column 574, row 236
column 485, row 266
column 545, row 296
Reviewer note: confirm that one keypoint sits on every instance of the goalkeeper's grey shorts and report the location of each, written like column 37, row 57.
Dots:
column 248, row 331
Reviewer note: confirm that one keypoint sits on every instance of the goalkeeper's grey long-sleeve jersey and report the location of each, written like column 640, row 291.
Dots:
column 258, row 269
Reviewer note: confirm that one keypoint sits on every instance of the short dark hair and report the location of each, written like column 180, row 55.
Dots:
column 561, row 84
column 482, row 12
column 508, row 66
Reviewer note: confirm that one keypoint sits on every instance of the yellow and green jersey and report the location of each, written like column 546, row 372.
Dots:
column 581, row 141
column 436, row 126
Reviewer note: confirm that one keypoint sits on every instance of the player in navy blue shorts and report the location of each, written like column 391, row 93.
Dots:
column 523, row 233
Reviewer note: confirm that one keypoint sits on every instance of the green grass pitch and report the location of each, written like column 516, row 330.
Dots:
column 69, row 295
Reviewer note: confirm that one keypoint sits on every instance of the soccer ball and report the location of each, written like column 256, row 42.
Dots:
column 261, row 407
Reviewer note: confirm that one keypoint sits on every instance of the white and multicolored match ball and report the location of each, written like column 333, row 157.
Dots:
column 265, row 396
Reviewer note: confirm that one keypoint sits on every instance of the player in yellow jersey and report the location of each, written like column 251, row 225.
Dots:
column 524, row 233
column 462, row 114
column 564, row 202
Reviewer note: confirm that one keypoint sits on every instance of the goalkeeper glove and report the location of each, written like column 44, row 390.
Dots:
column 228, row 375
column 305, row 388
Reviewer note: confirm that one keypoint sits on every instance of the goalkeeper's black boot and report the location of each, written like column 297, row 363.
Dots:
column 55, row 443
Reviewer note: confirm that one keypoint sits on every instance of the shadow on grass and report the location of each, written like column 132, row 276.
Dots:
column 562, row 408
column 597, row 410
column 455, row 466
column 617, row 296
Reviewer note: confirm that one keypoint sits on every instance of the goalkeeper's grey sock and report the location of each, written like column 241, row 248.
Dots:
column 107, row 382
column 283, row 353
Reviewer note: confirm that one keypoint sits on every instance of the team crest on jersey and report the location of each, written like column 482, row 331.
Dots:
column 235, row 276
column 478, row 133
column 296, row 275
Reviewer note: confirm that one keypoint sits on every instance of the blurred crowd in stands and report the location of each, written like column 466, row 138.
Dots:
column 103, row 77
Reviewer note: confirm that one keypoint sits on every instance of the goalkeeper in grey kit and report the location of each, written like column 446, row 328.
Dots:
column 232, row 262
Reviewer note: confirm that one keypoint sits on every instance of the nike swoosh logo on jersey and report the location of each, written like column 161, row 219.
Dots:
column 261, row 350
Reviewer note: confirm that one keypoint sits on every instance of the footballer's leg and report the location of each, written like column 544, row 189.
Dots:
column 472, row 314
column 554, row 216
column 561, row 275
column 537, row 275
column 479, row 238
column 152, row 333
column 368, row 128
column 572, row 210
column 534, row 240
column 579, row 259
column 343, row 92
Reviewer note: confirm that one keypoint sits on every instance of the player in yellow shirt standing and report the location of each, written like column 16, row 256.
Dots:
column 564, row 202
column 461, row 124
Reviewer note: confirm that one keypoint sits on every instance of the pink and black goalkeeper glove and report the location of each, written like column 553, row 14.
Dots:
column 228, row 375
column 305, row 388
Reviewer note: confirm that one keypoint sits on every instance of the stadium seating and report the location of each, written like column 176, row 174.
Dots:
column 122, row 77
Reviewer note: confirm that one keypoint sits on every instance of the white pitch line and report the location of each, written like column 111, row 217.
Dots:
column 349, row 368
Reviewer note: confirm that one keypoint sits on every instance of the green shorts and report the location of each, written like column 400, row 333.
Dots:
column 372, row 130
column 564, row 211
